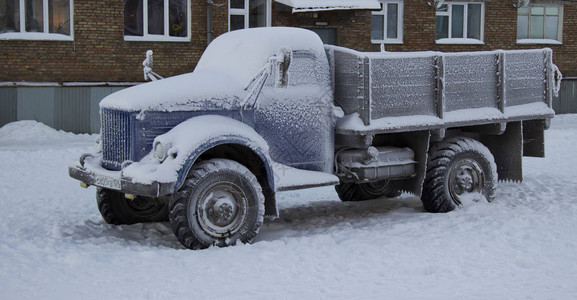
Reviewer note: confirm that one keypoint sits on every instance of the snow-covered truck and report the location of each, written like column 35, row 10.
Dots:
column 273, row 109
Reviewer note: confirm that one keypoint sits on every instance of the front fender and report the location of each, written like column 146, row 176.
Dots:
column 187, row 141
column 226, row 140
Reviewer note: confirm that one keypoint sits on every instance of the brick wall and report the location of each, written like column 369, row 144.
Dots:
column 500, row 32
column 99, row 52
column 353, row 27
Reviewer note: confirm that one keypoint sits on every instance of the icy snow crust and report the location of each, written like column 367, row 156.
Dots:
column 37, row 135
column 324, row 5
column 179, row 93
column 223, row 73
column 55, row 245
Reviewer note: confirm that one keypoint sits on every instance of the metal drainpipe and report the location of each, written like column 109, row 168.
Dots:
column 209, row 21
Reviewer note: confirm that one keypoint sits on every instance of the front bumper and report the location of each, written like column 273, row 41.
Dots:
column 90, row 172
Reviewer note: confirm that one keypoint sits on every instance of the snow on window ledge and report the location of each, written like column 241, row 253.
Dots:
column 155, row 38
column 64, row 84
column 387, row 42
column 35, row 36
column 538, row 42
column 459, row 42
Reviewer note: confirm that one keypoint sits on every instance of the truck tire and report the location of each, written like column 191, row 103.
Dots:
column 117, row 210
column 459, row 170
column 366, row 191
column 220, row 203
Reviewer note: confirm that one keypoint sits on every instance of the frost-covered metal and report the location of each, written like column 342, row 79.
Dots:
column 388, row 90
column 117, row 136
column 296, row 119
column 376, row 163
column 147, row 68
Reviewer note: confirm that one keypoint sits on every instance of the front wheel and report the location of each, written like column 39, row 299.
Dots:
column 117, row 210
column 219, row 204
column 459, row 170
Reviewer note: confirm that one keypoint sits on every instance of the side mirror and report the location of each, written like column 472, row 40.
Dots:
column 283, row 60
column 147, row 68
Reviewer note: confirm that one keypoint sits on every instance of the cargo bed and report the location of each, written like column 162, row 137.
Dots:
column 395, row 92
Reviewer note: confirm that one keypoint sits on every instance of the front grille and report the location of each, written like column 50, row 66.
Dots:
column 116, row 138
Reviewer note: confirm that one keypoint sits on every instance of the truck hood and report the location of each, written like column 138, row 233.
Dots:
column 195, row 91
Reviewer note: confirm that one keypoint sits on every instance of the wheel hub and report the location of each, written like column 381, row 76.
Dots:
column 465, row 178
column 221, row 209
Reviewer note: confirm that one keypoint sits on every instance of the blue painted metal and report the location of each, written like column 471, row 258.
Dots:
column 117, row 138
column 297, row 120
column 150, row 124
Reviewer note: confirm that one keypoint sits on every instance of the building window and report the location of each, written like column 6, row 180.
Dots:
column 157, row 20
column 248, row 14
column 539, row 24
column 36, row 19
column 460, row 23
column 387, row 23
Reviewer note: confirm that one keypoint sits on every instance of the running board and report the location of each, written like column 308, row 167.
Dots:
column 287, row 178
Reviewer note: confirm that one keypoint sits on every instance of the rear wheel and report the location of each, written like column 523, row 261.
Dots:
column 220, row 204
column 366, row 191
column 117, row 209
column 459, row 170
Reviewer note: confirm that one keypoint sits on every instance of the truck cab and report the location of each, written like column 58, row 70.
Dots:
column 259, row 98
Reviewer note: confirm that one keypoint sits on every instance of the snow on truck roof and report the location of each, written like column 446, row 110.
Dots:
column 225, row 68
column 245, row 52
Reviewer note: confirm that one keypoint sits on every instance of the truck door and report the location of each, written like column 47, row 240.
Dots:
column 294, row 112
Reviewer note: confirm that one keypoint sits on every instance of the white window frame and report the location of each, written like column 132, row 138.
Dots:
column 46, row 35
column 528, row 40
column 245, row 12
column 463, row 40
column 146, row 37
column 383, row 12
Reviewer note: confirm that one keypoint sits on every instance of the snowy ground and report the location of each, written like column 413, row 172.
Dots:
column 55, row 245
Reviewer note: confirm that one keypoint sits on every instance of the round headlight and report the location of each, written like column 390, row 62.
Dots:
column 160, row 151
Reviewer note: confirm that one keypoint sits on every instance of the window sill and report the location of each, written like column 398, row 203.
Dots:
column 538, row 42
column 387, row 42
column 159, row 38
column 459, row 42
column 35, row 36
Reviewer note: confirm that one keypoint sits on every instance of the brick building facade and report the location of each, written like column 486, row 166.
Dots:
column 97, row 50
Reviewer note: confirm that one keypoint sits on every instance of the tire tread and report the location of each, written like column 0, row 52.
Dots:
column 435, row 198
column 179, row 220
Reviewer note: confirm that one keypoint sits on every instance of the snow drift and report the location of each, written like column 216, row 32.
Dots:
column 55, row 245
